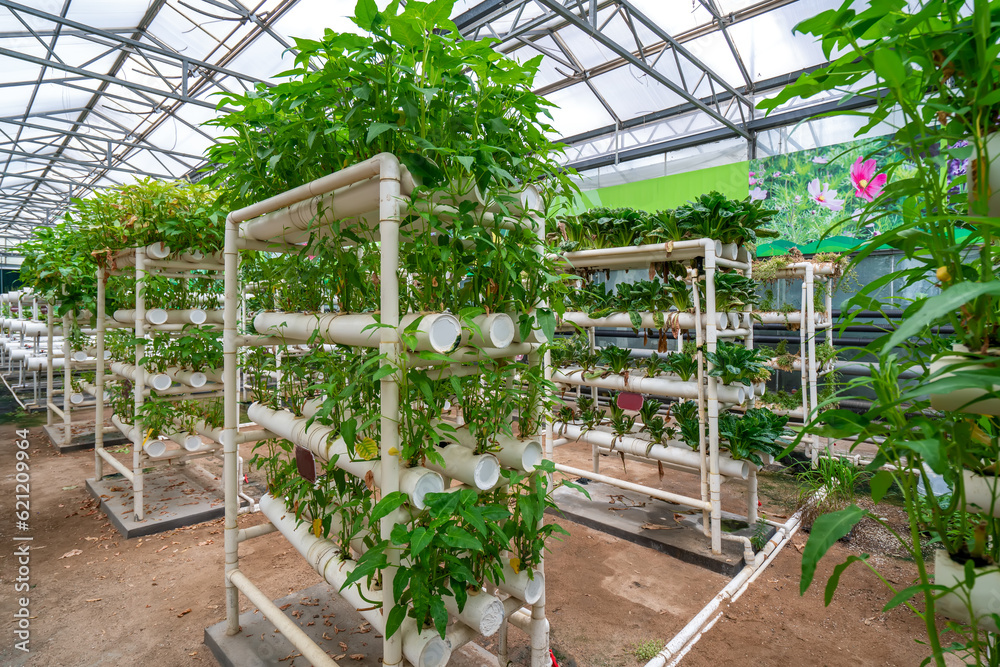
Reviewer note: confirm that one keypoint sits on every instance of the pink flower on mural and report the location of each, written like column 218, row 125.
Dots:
column 820, row 160
column 824, row 196
column 758, row 195
column 867, row 185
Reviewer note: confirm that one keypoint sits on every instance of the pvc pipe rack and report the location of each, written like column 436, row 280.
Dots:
column 375, row 192
column 708, row 327
column 809, row 321
column 172, row 446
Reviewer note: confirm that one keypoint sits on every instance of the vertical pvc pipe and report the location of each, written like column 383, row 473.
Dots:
column 595, row 453
column 804, row 365
column 231, row 417
column 828, row 304
column 714, row 478
column 389, row 192
column 539, row 629
column 752, row 477
column 706, row 516
column 811, row 343
column 99, row 381
column 67, row 435
column 140, row 380
column 49, row 372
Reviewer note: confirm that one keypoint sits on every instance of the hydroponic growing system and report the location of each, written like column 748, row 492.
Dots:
column 412, row 348
column 708, row 326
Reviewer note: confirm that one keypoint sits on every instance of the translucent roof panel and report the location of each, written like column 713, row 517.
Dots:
column 96, row 93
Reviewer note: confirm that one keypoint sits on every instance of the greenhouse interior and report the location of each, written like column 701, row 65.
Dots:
column 368, row 333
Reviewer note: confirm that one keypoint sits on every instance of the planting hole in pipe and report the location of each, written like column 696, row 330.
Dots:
column 426, row 484
column 531, row 456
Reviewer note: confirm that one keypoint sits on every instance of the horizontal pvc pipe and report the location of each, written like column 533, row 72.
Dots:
column 681, row 456
column 471, row 354
column 522, row 455
column 322, row 441
column 194, row 379
column 481, row 471
column 437, row 332
column 671, row 320
column 793, row 317
column 638, row 255
column 116, row 464
column 423, row 649
column 256, row 531
column 518, row 584
column 163, row 316
column 496, row 330
column 483, row 612
column 352, row 198
column 736, row 395
column 638, row 488
column 289, row 629
column 729, row 251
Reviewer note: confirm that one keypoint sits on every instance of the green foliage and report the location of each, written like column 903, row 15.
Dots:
column 714, row 216
column 757, row 430
column 760, row 530
column 733, row 363
column 647, row 650
column 685, row 413
column 452, row 110
column 682, row 364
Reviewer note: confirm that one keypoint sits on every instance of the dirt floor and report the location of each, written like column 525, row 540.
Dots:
column 96, row 599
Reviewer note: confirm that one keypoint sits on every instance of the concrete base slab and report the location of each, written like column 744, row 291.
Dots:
column 319, row 611
column 171, row 499
column 667, row 528
column 79, row 441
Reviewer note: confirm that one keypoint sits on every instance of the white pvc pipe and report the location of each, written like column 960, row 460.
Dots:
column 424, row 649
column 981, row 493
column 496, row 330
column 672, row 320
column 481, row 471
column 522, row 455
column 322, row 441
column 729, row 251
column 635, row 256
column 631, row 486
column 190, row 378
column 437, row 332
column 660, row 387
column 159, row 316
column 680, row 456
column 523, row 585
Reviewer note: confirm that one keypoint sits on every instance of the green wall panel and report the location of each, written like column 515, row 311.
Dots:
column 671, row 191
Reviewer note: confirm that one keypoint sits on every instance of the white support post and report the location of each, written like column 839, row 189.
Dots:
column 99, row 381
column 231, row 416
column 714, row 478
column 140, row 382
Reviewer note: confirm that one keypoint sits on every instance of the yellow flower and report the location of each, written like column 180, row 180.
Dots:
column 515, row 564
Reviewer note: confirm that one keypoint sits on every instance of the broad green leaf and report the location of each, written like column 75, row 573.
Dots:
column 880, row 483
column 826, row 530
column 834, row 580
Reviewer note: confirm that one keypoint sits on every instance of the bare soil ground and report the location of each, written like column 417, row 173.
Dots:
column 97, row 599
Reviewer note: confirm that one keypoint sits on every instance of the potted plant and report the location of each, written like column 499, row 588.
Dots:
column 932, row 64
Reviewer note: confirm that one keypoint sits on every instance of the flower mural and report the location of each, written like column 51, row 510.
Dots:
column 757, row 194
column 867, row 185
column 824, row 196
column 816, row 190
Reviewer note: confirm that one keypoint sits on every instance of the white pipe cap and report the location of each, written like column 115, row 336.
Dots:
column 79, row 355
column 534, row 588
column 192, row 443
column 156, row 448
column 501, row 331
column 435, row 653
column 445, row 333
column 76, row 398
column 487, row 472
column 429, row 483
column 161, row 382
column 156, row 316
column 197, row 380
column 158, row 250
column 197, row 316
column 531, row 456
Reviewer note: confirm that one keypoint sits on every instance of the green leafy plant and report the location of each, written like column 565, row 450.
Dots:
column 757, row 430
column 685, row 414
column 733, row 363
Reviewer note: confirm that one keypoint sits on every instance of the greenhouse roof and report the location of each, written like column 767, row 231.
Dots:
column 99, row 93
